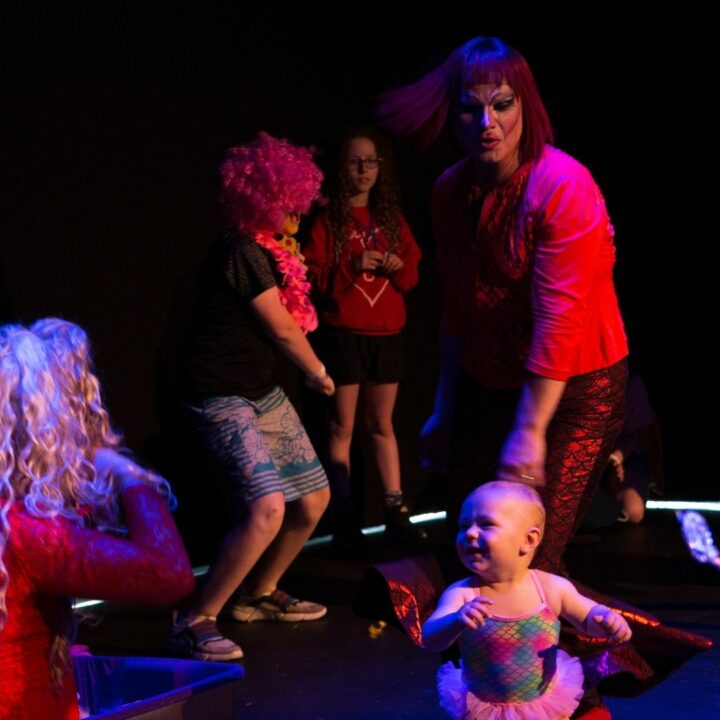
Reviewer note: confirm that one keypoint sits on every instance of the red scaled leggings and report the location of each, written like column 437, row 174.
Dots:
column 580, row 439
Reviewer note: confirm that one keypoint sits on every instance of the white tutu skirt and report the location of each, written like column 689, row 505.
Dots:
column 558, row 701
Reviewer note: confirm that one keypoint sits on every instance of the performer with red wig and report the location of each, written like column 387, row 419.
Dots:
column 533, row 347
column 253, row 298
column 533, row 373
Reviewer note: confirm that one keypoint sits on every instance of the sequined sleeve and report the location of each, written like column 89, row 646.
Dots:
column 150, row 566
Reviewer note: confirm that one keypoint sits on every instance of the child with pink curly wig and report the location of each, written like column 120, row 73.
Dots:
column 266, row 186
column 253, row 298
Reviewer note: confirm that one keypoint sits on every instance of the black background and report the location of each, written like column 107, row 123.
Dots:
column 117, row 116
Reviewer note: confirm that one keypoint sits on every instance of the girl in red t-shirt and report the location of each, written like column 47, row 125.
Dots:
column 362, row 259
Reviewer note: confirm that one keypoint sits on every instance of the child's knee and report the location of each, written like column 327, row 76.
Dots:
column 635, row 511
column 310, row 508
column 267, row 513
column 316, row 503
column 380, row 426
column 633, row 505
column 341, row 430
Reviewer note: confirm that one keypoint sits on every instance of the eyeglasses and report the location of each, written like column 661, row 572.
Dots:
column 369, row 163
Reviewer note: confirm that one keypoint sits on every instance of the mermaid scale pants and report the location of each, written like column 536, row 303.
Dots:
column 580, row 439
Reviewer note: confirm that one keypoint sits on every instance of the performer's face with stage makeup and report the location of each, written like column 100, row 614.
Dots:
column 488, row 124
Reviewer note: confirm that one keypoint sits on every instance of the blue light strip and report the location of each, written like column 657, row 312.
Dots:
column 428, row 517
column 683, row 505
column 377, row 529
column 86, row 603
column 437, row 516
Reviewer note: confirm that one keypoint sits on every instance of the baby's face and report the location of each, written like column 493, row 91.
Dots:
column 491, row 532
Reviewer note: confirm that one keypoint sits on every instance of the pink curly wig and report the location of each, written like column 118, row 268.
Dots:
column 263, row 181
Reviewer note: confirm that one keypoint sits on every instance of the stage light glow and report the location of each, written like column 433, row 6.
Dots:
column 79, row 604
column 696, row 505
column 430, row 517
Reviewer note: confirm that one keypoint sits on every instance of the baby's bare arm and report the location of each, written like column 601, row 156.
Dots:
column 605, row 622
column 583, row 613
column 459, row 608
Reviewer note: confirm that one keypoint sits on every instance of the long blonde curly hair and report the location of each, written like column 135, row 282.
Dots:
column 71, row 361
column 52, row 420
column 72, row 365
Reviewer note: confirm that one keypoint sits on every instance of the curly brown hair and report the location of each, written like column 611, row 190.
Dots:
column 384, row 202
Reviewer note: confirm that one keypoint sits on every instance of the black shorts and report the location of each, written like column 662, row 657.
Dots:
column 351, row 358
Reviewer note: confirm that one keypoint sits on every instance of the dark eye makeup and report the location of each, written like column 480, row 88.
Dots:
column 499, row 105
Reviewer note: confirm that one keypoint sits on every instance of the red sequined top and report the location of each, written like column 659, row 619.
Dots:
column 527, row 272
column 49, row 560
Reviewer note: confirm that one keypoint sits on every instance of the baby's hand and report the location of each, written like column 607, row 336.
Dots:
column 473, row 613
column 615, row 626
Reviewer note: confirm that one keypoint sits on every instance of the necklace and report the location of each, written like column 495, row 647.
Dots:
column 368, row 234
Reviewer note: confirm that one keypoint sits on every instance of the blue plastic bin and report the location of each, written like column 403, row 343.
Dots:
column 115, row 688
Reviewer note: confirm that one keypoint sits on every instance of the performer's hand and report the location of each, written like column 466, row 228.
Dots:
column 614, row 625
column 473, row 613
column 435, row 443
column 522, row 458
column 392, row 264
column 369, row 261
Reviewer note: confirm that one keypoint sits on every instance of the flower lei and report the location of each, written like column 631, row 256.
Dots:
column 295, row 288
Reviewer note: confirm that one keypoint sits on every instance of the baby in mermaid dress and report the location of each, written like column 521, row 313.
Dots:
column 506, row 616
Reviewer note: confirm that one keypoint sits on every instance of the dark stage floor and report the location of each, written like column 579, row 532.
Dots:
column 333, row 669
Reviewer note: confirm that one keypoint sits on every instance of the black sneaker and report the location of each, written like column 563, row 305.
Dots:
column 350, row 541
column 399, row 528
